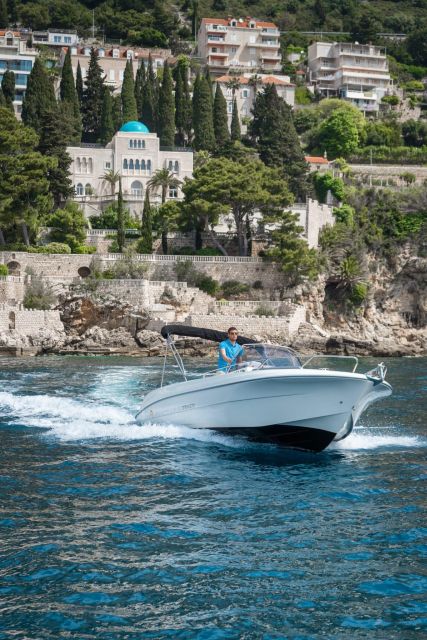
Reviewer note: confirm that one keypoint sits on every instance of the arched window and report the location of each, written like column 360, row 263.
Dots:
column 143, row 165
column 176, row 166
column 148, row 166
column 137, row 165
column 88, row 189
column 90, row 165
column 131, row 165
column 79, row 189
column 78, row 165
column 136, row 188
column 170, row 165
column 125, row 164
column 84, row 165
column 130, row 144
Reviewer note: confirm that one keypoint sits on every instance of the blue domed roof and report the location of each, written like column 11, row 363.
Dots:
column 135, row 127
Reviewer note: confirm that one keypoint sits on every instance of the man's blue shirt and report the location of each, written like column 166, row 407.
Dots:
column 231, row 351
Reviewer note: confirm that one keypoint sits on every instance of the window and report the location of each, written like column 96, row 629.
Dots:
column 233, row 23
column 131, row 165
column 252, row 39
column 67, row 39
column 90, row 165
column 79, row 189
column 111, row 75
column 86, row 51
column 78, row 165
column 229, row 107
column 233, row 49
column 245, row 93
column 176, row 167
column 149, row 167
column 130, row 144
column 129, row 54
column 137, row 165
column 142, row 165
column 244, row 110
column 88, row 189
column 125, row 164
column 136, row 188
column 101, row 53
column 107, row 165
column 57, row 39
column 121, row 74
column 116, row 53
column 84, row 165
column 173, row 192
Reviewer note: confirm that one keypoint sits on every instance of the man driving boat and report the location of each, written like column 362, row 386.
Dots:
column 229, row 351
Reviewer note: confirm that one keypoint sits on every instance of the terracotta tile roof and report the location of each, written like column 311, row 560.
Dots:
column 316, row 160
column 274, row 80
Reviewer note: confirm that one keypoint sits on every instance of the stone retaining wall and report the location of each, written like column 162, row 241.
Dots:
column 12, row 289
column 28, row 321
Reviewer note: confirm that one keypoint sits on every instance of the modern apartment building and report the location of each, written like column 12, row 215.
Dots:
column 113, row 59
column 16, row 56
column 136, row 155
column 355, row 72
column 239, row 45
column 245, row 88
column 55, row 37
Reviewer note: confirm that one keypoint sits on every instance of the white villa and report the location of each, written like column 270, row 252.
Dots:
column 136, row 155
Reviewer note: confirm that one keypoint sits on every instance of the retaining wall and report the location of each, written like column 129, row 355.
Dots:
column 28, row 321
column 12, row 289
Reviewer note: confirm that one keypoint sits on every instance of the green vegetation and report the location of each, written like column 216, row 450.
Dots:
column 38, row 295
column 68, row 226
column 233, row 288
column 4, row 271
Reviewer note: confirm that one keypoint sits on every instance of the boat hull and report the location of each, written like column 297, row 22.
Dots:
column 296, row 407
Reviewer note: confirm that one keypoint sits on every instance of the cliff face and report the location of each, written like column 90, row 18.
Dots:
column 393, row 322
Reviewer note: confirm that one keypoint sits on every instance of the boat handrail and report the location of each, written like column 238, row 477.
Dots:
column 317, row 356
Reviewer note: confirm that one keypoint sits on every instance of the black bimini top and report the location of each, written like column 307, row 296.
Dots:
column 200, row 332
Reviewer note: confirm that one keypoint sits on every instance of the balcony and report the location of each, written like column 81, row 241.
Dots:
column 216, row 28
column 218, row 54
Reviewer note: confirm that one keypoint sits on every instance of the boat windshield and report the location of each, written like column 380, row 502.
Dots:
column 266, row 356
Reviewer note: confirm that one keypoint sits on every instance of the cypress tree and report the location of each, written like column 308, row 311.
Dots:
column 55, row 133
column 183, row 106
column 92, row 99
column 8, row 88
column 2, row 98
column 222, row 134
column 13, row 14
column 120, row 219
column 69, row 99
column 129, row 108
column 148, row 113
column 4, row 20
column 235, row 123
column 166, row 110
column 145, row 244
column 79, row 83
column 117, row 112
column 186, row 104
column 140, row 88
column 39, row 96
column 179, row 97
column 204, row 137
column 273, row 131
column 107, row 123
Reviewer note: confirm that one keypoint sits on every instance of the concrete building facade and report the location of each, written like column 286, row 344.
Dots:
column 239, row 44
column 249, row 86
column 55, row 37
column 357, row 73
column 135, row 154
column 113, row 59
column 16, row 56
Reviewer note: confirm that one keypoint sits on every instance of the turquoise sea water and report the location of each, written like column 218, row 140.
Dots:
column 109, row 530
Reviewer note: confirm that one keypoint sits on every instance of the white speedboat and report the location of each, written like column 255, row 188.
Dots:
column 270, row 396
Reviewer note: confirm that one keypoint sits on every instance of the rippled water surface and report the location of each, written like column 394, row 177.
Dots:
column 109, row 530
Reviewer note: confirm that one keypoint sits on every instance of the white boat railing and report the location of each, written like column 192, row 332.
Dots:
column 329, row 357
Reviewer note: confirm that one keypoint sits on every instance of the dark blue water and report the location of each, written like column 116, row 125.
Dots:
column 109, row 530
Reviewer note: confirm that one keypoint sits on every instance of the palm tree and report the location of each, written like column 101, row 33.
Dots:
column 255, row 81
column 164, row 180
column 233, row 84
column 111, row 177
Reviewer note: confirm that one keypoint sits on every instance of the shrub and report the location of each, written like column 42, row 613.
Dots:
column 233, row 288
column 207, row 284
column 52, row 247
column 128, row 268
column 414, row 85
column 185, row 271
column 38, row 295
column 264, row 311
column 324, row 182
column 358, row 294
column 84, row 248
column 391, row 100
column 303, row 95
column 4, row 271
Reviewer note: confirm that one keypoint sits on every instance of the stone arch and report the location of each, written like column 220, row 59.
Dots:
column 12, row 320
column 14, row 268
column 84, row 272
column 136, row 188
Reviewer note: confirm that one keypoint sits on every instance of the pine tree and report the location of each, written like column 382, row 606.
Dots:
column 69, row 99
column 107, row 123
column 166, row 109
column 235, row 123
column 129, row 108
column 39, row 96
column 92, row 99
column 204, row 137
column 55, row 133
column 145, row 244
column 79, row 83
column 4, row 20
column 149, row 104
column 140, row 88
column 272, row 130
column 120, row 219
column 222, row 134
column 8, row 88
